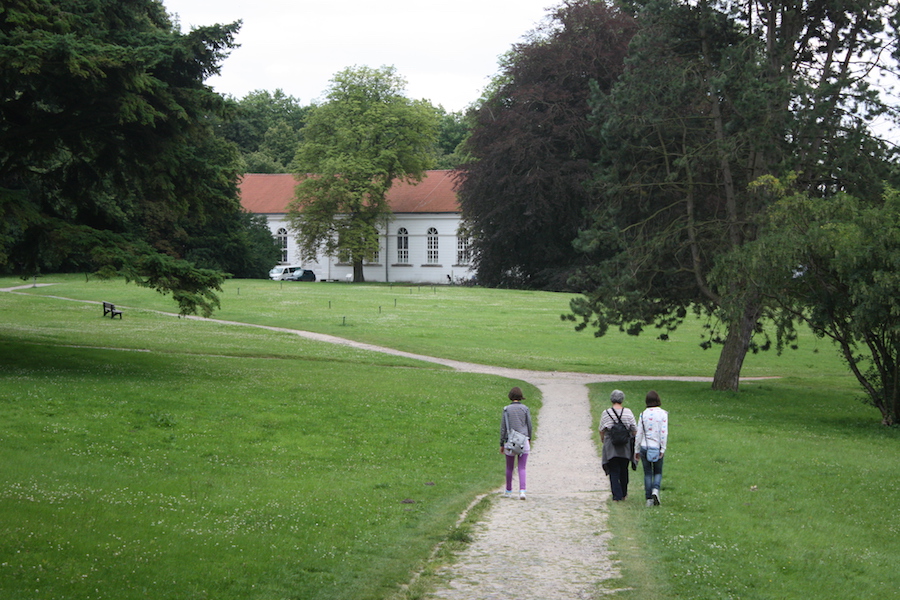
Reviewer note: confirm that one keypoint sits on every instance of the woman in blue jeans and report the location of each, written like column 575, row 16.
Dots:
column 650, row 445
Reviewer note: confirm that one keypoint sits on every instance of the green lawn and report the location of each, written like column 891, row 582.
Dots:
column 785, row 490
column 223, row 461
column 519, row 329
column 171, row 458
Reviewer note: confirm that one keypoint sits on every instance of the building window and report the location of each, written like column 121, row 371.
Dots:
column 462, row 251
column 432, row 246
column 282, row 237
column 402, row 246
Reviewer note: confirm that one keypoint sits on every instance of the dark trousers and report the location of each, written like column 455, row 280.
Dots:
column 618, row 476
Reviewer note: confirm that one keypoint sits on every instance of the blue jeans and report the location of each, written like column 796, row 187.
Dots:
column 652, row 475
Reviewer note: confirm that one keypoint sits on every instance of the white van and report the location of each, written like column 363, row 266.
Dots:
column 281, row 271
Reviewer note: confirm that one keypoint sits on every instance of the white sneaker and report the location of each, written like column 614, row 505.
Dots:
column 649, row 501
column 655, row 494
column 507, row 494
column 521, row 494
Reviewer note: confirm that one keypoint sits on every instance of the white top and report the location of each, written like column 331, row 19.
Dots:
column 653, row 429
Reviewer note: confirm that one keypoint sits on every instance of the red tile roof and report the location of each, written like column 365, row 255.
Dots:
column 262, row 193
column 270, row 194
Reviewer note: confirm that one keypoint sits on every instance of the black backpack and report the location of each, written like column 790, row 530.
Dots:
column 619, row 433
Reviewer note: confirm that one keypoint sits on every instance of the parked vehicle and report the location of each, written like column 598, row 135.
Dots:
column 280, row 272
column 300, row 275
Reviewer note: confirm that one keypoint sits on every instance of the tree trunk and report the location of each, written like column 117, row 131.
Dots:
column 737, row 343
column 358, row 276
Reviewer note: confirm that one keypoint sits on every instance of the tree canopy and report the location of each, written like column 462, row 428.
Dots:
column 105, row 141
column 716, row 96
column 364, row 137
column 523, row 191
column 831, row 263
column 454, row 130
column 266, row 126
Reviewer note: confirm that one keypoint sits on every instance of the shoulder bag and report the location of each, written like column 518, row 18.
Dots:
column 515, row 441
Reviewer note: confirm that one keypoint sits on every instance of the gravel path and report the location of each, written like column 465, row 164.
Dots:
column 562, row 524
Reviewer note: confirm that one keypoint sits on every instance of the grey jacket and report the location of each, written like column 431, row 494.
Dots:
column 519, row 419
column 611, row 451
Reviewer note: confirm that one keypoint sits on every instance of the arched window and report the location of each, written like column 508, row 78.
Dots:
column 282, row 237
column 402, row 246
column 432, row 246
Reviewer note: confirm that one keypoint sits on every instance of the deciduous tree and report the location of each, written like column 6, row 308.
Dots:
column 453, row 132
column 716, row 96
column 831, row 263
column 523, row 191
column 364, row 137
column 266, row 127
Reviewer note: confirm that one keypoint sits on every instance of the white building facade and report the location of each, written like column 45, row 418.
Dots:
column 420, row 242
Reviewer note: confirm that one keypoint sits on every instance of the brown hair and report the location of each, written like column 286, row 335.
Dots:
column 652, row 399
column 516, row 394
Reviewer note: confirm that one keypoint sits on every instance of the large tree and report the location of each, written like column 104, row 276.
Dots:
column 523, row 192
column 366, row 135
column 105, row 142
column 832, row 264
column 717, row 95
column 235, row 242
column 453, row 132
column 266, row 126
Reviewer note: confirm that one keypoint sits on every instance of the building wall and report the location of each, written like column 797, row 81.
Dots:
column 444, row 264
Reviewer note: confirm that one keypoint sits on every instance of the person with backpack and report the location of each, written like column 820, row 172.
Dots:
column 617, row 431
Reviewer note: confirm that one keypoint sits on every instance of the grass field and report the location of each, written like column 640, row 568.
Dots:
column 171, row 458
column 510, row 328
column 785, row 490
column 216, row 461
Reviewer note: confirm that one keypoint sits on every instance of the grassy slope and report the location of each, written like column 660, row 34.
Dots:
column 227, row 462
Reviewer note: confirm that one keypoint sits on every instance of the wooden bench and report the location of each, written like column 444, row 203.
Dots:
column 111, row 310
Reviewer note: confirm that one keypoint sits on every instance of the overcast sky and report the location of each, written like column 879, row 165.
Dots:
column 446, row 51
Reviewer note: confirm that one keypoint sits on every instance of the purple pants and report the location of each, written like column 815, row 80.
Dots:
column 510, row 463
